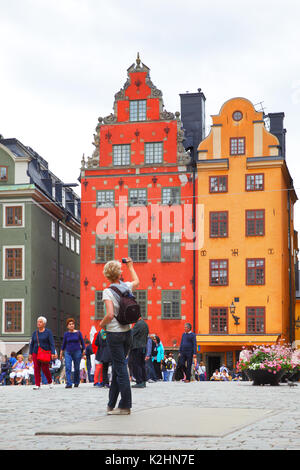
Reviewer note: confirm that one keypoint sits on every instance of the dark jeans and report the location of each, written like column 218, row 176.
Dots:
column 185, row 361
column 76, row 358
column 157, row 368
column 105, row 366
column 138, row 364
column 119, row 345
column 150, row 372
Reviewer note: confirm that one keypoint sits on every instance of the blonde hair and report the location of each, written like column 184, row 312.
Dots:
column 20, row 355
column 112, row 270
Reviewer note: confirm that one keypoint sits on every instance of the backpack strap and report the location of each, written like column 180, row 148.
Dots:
column 116, row 290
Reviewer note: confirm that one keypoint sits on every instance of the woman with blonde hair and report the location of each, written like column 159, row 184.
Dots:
column 118, row 336
column 17, row 371
column 43, row 338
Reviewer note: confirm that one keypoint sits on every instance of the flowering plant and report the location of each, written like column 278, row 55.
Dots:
column 272, row 358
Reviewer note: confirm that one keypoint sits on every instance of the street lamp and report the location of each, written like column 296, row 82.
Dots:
column 232, row 311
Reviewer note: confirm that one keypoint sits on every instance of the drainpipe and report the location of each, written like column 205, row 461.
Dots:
column 194, row 242
column 291, row 316
column 58, row 285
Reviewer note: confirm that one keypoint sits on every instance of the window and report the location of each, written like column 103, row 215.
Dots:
column 53, row 191
column 138, row 110
column 255, row 272
column 13, row 263
column 171, row 247
column 13, row 216
column 105, row 199
column 13, row 316
column 141, row 298
column 121, row 155
column 61, row 235
column 63, row 197
column 99, row 305
column 77, row 246
column 171, row 302
column 3, row 173
column 170, row 196
column 237, row 115
column 137, row 248
column 255, row 319
column 76, row 208
column 104, row 249
column 255, row 182
column 218, row 184
column 237, row 146
column 154, row 152
column 218, row 320
column 53, row 229
column 218, row 272
column 255, row 222
column 72, row 243
column 67, row 240
column 218, row 224
column 138, row 197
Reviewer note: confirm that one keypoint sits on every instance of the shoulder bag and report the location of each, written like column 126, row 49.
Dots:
column 42, row 354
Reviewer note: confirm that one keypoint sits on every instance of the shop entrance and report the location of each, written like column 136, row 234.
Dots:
column 213, row 363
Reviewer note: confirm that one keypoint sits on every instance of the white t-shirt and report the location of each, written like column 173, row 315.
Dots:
column 114, row 326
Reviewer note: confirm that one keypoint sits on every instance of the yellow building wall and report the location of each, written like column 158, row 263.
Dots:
column 273, row 246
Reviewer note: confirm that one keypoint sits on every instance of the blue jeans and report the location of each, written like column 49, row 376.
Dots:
column 119, row 345
column 76, row 358
column 169, row 375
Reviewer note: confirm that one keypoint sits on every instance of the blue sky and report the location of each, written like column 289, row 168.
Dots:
column 62, row 61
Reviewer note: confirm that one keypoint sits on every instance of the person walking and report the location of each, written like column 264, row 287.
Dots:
column 89, row 352
column 118, row 337
column 170, row 365
column 140, row 333
column 150, row 372
column 43, row 338
column 187, row 351
column 158, row 357
column 73, row 348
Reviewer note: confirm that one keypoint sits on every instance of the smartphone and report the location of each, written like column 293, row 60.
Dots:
column 124, row 260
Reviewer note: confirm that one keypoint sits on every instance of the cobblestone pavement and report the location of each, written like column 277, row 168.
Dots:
column 24, row 411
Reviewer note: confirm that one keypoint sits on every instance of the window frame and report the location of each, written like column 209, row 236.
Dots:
column 105, row 244
column 255, row 219
column 136, row 294
column 6, row 178
column 219, row 269
column 218, row 331
column 174, row 201
column 255, row 268
column 138, row 110
column 218, row 178
column 237, row 139
column 121, row 147
column 107, row 202
column 138, row 204
column 256, row 319
column 173, row 316
column 138, row 240
column 211, row 213
column 13, row 205
column 98, row 314
column 4, row 266
column 153, row 161
column 172, row 244
column 4, row 302
column 254, row 175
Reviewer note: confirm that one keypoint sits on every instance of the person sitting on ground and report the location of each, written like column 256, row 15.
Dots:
column 18, row 371
column 83, row 370
column 12, row 360
column 216, row 375
column 55, row 366
column 29, row 370
column 224, row 376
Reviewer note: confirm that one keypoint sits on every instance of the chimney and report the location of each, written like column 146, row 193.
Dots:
column 193, row 120
column 276, row 128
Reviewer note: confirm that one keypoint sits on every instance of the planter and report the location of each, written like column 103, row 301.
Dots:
column 263, row 377
column 291, row 376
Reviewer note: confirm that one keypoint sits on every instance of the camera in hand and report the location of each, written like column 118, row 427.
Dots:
column 124, row 260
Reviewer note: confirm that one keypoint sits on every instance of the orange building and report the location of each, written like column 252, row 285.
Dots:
column 136, row 201
column 246, row 275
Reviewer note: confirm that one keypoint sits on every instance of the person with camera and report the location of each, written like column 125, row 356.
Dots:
column 119, row 336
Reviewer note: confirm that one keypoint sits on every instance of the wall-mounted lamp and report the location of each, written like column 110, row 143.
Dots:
column 232, row 311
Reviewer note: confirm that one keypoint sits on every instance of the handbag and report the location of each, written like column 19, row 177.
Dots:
column 42, row 354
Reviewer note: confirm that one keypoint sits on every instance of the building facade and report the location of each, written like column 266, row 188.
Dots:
column 246, row 275
column 39, row 245
column 137, row 201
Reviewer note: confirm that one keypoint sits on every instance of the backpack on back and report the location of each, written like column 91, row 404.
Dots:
column 169, row 364
column 129, row 311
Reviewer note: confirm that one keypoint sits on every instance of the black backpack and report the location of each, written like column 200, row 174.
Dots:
column 169, row 364
column 129, row 311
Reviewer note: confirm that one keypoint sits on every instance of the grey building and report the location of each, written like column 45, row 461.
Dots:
column 39, row 247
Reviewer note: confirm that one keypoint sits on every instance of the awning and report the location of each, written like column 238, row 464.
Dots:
column 6, row 348
column 235, row 340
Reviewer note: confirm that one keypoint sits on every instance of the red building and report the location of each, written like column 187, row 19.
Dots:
column 137, row 201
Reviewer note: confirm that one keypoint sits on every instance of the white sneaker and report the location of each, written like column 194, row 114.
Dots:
column 51, row 385
column 35, row 387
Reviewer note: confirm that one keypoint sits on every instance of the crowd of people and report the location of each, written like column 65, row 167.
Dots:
column 119, row 354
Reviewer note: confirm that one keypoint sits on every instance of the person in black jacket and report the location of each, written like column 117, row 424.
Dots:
column 137, row 356
column 187, row 351
column 103, row 356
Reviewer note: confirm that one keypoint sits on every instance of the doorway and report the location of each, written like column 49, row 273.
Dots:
column 213, row 363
